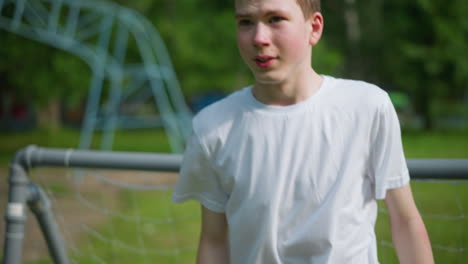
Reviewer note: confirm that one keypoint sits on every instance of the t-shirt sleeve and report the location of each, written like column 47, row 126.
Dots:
column 198, row 180
column 388, row 166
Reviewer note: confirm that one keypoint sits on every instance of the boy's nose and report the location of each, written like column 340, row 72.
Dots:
column 261, row 36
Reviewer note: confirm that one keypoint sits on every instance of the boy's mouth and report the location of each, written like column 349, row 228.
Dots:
column 264, row 61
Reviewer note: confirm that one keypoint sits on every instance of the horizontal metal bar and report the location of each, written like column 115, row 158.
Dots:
column 438, row 168
column 34, row 156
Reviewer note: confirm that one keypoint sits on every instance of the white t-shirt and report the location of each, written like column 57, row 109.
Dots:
column 299, row 183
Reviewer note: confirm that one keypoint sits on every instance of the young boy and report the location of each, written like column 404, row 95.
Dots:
column 288, row 170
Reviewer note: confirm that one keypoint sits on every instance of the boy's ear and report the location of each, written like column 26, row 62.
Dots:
column 316, row 22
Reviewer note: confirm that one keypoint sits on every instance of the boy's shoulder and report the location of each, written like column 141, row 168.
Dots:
column 220, row 113
column 357, row 88
column 356, row 93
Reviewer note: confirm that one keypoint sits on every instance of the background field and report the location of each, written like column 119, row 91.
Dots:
column 167, row 233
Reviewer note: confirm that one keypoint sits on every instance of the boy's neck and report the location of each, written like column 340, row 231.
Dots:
column 288, row 92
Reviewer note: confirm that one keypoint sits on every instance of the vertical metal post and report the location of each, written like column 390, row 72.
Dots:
column 15, row 215
column 1, row 6
column 95, row 92
column 72, row 21
column 112, row 113
column 92, row 105
column 54, row 16
column 19, row 10
column 40, row 205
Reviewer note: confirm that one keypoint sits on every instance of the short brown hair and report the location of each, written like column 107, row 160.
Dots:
column 309, row 6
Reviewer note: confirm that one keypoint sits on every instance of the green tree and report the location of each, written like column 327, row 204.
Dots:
column 411, row 46
column 424, row 51
column 42, row 76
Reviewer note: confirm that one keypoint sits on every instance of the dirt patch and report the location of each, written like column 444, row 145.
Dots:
column 69, row 191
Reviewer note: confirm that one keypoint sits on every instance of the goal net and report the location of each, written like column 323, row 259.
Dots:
column 115, row 216
column 443, row 205
column 118, row 216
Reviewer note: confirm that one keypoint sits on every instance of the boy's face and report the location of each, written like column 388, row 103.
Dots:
column 274, row 38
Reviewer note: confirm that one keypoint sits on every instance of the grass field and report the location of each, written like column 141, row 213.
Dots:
column 444, row 205
column 444, row 208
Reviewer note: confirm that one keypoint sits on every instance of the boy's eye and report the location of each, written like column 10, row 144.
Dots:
column 276, row 19
column 244, row 22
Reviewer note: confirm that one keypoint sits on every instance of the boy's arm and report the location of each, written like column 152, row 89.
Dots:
column 213, row 247
column 409, row 234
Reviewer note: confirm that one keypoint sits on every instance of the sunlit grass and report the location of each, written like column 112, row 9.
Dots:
column 443, row 206
column 154, row 230
column 438, row 144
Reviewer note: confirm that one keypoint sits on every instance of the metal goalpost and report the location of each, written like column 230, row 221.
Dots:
column 23, row 193
column 100, row 33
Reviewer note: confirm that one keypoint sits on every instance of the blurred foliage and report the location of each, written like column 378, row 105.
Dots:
column 425, row 52
column 416, row 47
column 38, row 73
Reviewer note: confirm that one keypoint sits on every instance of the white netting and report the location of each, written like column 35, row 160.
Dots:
column 443, row 205
column 127, row 217
column 120, row 216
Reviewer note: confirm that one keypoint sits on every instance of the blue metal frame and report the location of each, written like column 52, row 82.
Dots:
column 87, row 20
